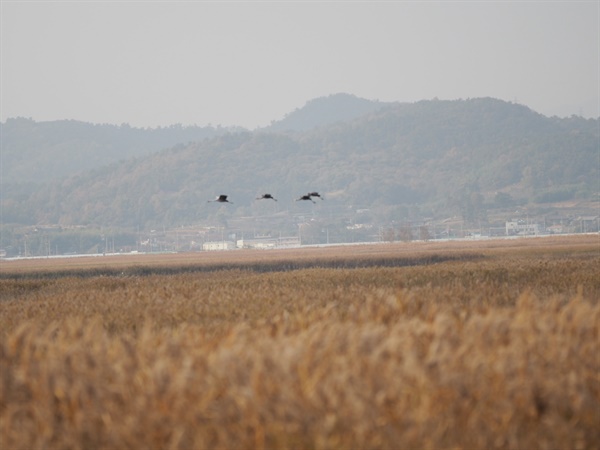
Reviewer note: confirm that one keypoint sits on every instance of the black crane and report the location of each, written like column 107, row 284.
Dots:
column 266, row 196
column 221, row 199
column 305, row 197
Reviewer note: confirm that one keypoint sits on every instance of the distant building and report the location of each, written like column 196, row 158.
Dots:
column 218, row 245
column 257, row 243
column 522, row 227
column 269, row 243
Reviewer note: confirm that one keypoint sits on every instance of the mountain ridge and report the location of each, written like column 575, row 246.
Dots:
column 431, row 158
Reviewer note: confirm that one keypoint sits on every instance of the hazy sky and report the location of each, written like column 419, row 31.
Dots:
column 248, row 63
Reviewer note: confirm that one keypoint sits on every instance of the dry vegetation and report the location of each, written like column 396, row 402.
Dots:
column 427, row 346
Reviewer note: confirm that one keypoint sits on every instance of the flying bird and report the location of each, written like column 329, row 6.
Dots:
column 305, row 197
column 221, row 199
column 266, row 196
column 315, row 194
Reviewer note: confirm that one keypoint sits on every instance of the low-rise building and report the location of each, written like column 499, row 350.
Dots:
column 522, row 227
column 269, row 243
column 218, row 245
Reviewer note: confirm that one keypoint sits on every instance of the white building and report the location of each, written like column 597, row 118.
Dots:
column 257, row 243
column 269, row 243
column 218, row 245
column 522, row 227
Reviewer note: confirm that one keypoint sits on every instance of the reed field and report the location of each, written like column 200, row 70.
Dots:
column 456, row 345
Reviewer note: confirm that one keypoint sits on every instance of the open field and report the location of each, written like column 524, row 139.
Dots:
column 483, row 344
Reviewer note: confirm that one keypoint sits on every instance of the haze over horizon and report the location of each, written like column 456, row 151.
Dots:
column 249, row 63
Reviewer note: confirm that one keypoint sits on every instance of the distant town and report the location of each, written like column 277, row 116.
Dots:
column 53, row 240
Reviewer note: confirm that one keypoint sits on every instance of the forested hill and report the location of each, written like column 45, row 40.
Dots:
column 42, row 151
column 325, row 111
column 441, row 157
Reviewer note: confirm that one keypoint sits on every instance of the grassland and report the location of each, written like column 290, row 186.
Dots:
column 425, row 345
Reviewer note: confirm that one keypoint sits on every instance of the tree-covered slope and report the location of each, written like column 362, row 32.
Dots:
column 448, row 157
column 43, row 151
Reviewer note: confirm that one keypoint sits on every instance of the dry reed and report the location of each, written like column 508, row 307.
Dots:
column 500, row 352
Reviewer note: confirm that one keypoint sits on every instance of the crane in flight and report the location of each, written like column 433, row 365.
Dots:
column 266, row 196
column 220, row 199
column 305, row 197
